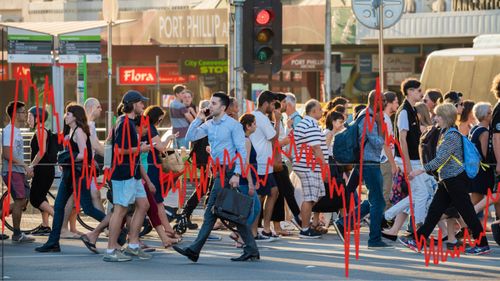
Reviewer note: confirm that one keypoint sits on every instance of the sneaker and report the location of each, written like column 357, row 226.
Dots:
column 297, row 222
column 451, row 246
column 49, row 248
column 138, row 253
column 4, row 237
column 478, row 251
column 339, row 229
column 309, row 234
column 116, row 256
column 380, row 245
column 286, row 225
column 262, row 238
column 213, row 237
column 22, row 238
column 41, row 231
column 409, row 243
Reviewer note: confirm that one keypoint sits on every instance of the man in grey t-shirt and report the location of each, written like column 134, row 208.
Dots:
column 14, row 170
column 178, row 112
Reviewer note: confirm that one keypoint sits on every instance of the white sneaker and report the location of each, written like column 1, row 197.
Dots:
column 286, row 225
column 22, row 238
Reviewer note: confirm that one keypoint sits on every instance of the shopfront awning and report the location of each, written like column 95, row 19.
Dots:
column 63, row 27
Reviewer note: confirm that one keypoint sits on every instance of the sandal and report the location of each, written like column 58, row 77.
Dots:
column 91, row 246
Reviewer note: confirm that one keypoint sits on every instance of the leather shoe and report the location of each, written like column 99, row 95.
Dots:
column 187, row 253
column 46, row 248
column 247, row 256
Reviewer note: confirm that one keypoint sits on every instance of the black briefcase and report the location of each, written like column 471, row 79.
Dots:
column 232, row 205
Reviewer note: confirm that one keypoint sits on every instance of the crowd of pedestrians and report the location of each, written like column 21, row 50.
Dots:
column 282, row 153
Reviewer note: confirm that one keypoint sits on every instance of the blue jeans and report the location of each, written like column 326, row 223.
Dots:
column 372, row 176
column 63, row 194
column 209, row 222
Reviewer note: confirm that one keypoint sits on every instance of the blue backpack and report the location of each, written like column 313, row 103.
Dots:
column 346, row 148
column 472, row 158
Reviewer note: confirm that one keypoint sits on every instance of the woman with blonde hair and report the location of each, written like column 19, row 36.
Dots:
column 451, row 190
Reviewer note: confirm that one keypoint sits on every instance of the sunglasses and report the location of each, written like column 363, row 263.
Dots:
column 459, row 104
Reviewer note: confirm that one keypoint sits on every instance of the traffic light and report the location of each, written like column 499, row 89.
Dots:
column 262, row 36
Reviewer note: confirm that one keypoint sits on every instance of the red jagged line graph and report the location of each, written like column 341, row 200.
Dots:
column 169, row 180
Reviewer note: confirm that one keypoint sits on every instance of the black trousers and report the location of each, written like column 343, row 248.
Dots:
column 453, row 191
column 194, row 200
column 286, row 192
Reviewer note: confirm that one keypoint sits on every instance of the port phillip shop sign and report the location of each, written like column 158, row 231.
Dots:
column 301, row 25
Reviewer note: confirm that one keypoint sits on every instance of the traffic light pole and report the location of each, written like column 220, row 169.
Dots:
column 238, row 52
column 328, row 51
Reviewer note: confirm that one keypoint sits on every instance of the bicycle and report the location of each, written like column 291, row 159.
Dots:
column 32, row 217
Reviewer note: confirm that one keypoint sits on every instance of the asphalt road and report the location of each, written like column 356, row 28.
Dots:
column 290, row 258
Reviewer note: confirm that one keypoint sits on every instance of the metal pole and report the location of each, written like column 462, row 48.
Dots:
column 3, row 70
column 110, row 73
column 230, row 52
column 381, row 46
column 238, row 38
column 328, row 51
column 158, row 79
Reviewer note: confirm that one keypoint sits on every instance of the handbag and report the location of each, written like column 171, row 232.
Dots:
column 63, row 157
column 232, row 205
column 399, row 188
column 172, row 161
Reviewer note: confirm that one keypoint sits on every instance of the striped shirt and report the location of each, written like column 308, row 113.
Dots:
column 306, row 135
column 449, row 144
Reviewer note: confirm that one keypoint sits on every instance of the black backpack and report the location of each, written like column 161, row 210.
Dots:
column 428, row 144
column 53, row 147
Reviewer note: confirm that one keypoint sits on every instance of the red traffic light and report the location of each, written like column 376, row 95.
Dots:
column 263, row 17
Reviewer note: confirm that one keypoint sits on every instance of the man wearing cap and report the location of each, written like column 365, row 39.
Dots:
column 126, row 181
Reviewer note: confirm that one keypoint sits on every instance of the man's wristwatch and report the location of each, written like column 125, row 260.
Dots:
column 236, row 174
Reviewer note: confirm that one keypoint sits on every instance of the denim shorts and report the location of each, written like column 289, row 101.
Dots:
column 125, row 192
column 265, row 190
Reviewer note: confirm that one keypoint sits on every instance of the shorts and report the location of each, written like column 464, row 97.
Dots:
column 19, row 187
column 125, row 192
column 265, row 190
column 313, row 187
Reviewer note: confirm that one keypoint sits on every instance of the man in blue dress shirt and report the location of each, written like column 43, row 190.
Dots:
column 226, row 137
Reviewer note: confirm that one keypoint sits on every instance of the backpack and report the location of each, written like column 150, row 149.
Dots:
column 53, row 147
column 428, row 143
column 346, row 148
column 472, row 158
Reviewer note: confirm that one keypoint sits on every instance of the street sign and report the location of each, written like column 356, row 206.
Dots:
column 28, row 47
column 367, row 12
column 72, row 47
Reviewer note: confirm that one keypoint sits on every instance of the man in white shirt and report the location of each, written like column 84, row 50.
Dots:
column 262, row 140
column 14, row 171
